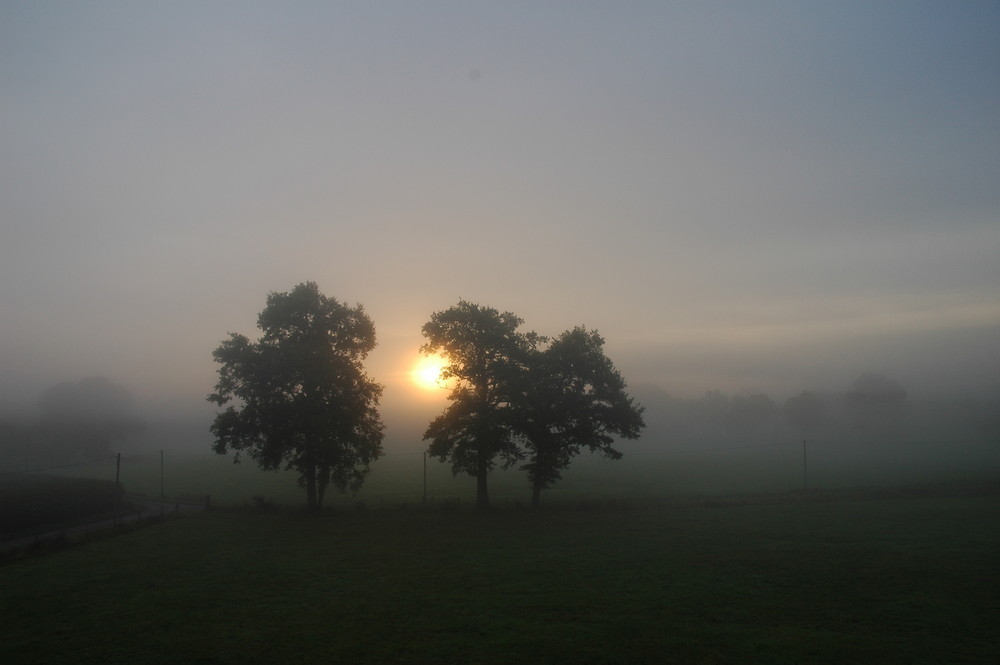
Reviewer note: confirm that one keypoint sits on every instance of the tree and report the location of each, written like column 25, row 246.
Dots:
column 82, row 420
column 876, row 403
column 713, row 408
column 571, row 396
column 484, row 352
column 17, row 438
column 305, row 401
column 805, row 412
column 749, row 414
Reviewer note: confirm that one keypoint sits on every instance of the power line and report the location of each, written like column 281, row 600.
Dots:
column 70, row 466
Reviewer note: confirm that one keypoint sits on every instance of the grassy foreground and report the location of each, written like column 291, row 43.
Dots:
column 889, row 580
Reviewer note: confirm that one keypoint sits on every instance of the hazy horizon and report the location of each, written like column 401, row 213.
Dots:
column 769, row 197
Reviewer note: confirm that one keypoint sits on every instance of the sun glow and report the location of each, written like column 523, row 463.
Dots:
column 426, row 373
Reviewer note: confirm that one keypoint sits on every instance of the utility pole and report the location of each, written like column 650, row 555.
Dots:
column 118, row 468
column 805, row 468
column 425, row 477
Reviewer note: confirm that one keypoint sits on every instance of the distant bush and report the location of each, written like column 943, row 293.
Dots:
column 261, row 504
column 31, row 501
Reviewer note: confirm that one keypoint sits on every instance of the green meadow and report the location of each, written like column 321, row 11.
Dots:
column 845, row 578
column 725, row 556
column 399, row 478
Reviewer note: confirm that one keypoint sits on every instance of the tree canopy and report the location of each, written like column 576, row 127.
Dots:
column 303, row 399
column 876, row 403
column 569, row 397
column 805, row 412
column 512, row 399
column 484, row 351
column 82, row 420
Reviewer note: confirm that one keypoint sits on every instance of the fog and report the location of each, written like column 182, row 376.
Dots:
column 749, row 199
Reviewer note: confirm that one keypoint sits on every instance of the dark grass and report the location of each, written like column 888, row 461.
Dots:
column 398, row 478
column 30, row 502
column 851, row 579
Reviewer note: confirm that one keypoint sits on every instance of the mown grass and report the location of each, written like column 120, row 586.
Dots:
column 898, row 579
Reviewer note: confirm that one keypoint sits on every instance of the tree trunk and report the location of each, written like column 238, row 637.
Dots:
column 484, row 443
column 311, row 503
column 321, row 483
column 536, row 496
column 482, row 495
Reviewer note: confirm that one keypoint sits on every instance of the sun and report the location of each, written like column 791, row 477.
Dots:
column 426, row 373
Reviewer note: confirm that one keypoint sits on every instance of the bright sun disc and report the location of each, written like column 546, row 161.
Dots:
column 426, row 373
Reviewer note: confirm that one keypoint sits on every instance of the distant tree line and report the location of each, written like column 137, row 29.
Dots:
column 75, row 422
column 873, row 408
column 299, row 398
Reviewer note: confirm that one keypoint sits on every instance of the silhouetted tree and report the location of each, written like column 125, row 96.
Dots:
column 83, row 419
column 16, row 439
column 484, row 353
column 876, row 402
column 571, row 396
column 805, row 412
column 305, row 401
column 712, row 409
column 750, row 413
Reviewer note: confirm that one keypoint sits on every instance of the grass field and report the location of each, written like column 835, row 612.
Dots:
column 398, row 478
column 896, row 579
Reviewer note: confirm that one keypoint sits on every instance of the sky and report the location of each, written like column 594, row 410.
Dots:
column 765, row 196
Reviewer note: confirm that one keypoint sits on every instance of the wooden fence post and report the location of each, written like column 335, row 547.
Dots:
column 805, row 467
column 118, row 487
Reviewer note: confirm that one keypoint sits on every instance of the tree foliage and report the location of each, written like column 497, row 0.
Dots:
column 303, row 399
column 512, row 399
column 484, row 352
column 570, row 397
column 749, row 414
column 805, row 412
column 83, row 419
column 876, row 403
